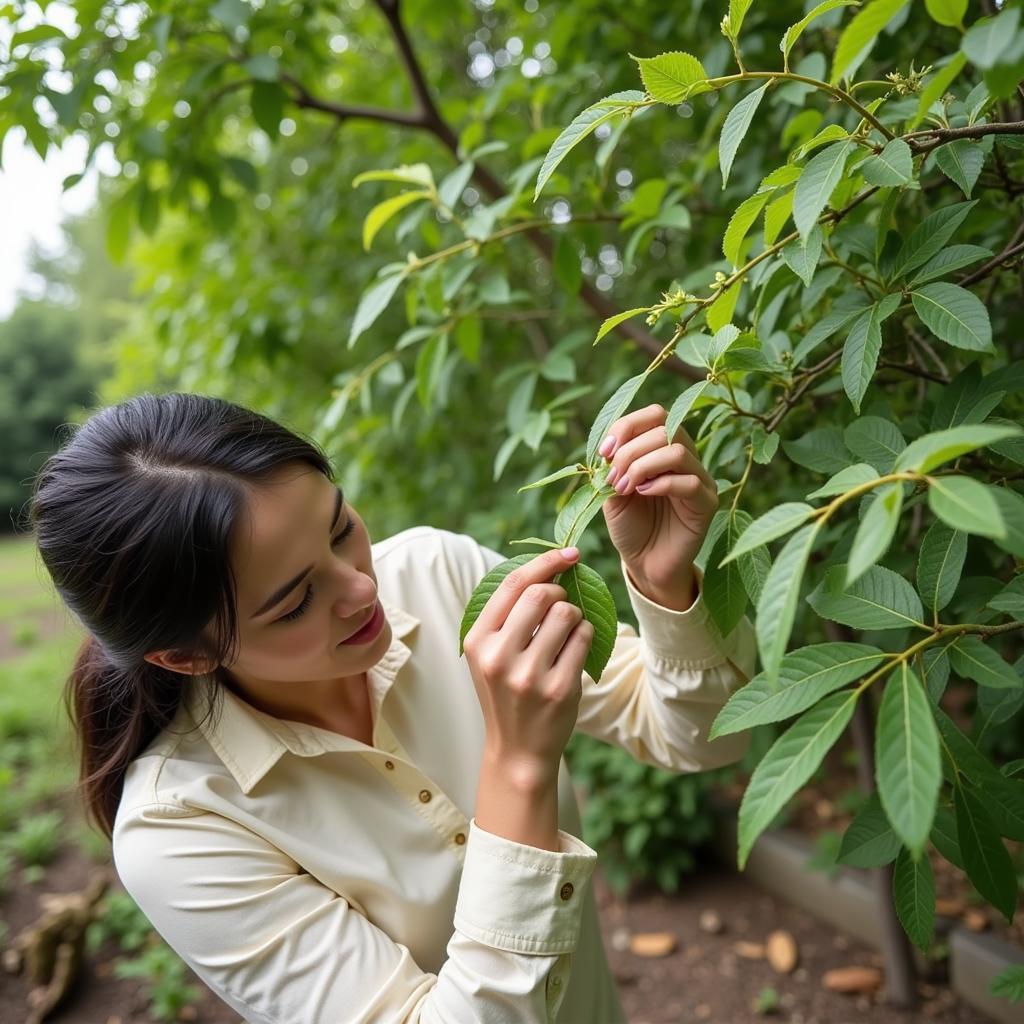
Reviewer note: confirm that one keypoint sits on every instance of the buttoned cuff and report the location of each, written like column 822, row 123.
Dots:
column 522, row 898
column 689, row 639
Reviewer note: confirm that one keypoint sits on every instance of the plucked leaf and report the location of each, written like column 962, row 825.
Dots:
column 576, row 513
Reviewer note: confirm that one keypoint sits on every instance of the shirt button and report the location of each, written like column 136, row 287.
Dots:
column 566, row 891
column 424, row 796
column 389, row 765
column 460, row 838
column 556, row 981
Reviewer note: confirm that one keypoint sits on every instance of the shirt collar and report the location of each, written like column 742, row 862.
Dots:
column 250, row 741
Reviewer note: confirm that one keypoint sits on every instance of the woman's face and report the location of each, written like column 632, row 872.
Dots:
column 305, row 583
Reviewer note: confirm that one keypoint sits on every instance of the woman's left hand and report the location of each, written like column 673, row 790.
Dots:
column 664, row 506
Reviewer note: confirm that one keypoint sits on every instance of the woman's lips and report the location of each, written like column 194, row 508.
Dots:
column 369, row 629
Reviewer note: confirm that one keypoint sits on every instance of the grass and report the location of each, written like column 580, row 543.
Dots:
column 25, row 587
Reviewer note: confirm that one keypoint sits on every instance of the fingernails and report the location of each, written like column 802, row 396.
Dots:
column 621, row 485
column 610, row 478
column 607, row 446
column 569, row 552
column 645, row 486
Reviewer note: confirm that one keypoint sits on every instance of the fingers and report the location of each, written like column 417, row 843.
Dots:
column 650, row 454
column 538, row 570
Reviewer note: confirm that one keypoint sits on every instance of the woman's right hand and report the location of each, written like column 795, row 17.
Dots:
column 526, row 652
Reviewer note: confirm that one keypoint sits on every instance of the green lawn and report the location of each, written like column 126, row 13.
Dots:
column 25, row 588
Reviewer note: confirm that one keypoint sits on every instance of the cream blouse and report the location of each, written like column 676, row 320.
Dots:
column 310, row 879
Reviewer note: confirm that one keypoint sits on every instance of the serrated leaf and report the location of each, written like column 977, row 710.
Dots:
column 816, row 184
column 1008, row 984
column 774, row 523
column 961, row 161
column 802, row 254
column 372, row 303
column 880, row 599
column 861, row 34
column 581, row 126
column 805, row 676
column 1010, row 599
column 559, row 474
column 869, row 841
column 863, row 343
column 723, row 589
column 875, row 531
column 383, row 212
column 894, row 165
column 735, row 127
column 776, row 607
column 737, row 12
column 932, row 450
column 986, row 860
column 973, row 659
column 930, row 236
column 939, row 565
column 793, row 33
column 907, row 763
column 682, row 405
column 845, row 480
column 611, row 411
column 719, row 313
column 966, row 505
column 409, row 174
column 937, row 86
column 788, row 764
column 672, row 77
column 613, row 321
column 954, row 315
column 828, row 325
column 740, row 223
column 577, row 513
column 953, row 257
column 876, row 440
column 943, row 835
column 913, row 892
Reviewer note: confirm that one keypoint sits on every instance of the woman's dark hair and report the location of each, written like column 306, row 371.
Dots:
column 133, row 518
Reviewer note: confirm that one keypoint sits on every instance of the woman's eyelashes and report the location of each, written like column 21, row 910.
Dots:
column 304, row 603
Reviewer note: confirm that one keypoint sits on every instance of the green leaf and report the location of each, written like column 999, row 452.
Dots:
column 567, row 267
column 880, row 599
column 682, row 405
column 559, row 474
column 232, row 14
column 986, row 859
column 1009, row 984
column 893, row 166
column 875, row 531
column 409, row 174
column 735, row 127
column 724, row 592
column 947, row 12
column 740, row 223
column 737, row 12
column 581, row 126
column 876, row 440
column 863, row 343
column 373, row 302
column 774, row 523
column 953, row 257
column 805, row 676
column 1010, row 599
column 930, row 236
column 429, row 360
column 672, row 77
column 845, row 480
column 788, row 764
column 954, row 315
column 776, row 607
column 961, row 161
column 586, row 589
column 267, row 101
column 986, row 40
column 932, row 450
column 802, row 254
column 820, row 449
column 793, row 33
column 944, row 836
column 861, row 34
column 907, row 763
column 966, row 505
column 816, row 184
column 913, row 891
column 828, row 325
column 869, row 841
column 1011, row 509
column 262, row 67
column 613, row 321
column 936, row 87
column 973, row 659
column 383, row 212
column 577, row 513
column 939, row 565
column 611, row 411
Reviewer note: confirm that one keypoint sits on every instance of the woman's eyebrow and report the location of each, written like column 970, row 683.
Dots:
column 282, row 592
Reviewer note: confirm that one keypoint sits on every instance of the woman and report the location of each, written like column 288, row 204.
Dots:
column 325, row 810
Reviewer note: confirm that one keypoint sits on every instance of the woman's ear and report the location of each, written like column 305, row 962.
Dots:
column 182, row 662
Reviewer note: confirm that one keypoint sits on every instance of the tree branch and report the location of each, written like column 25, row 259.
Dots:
column 1015, row 246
